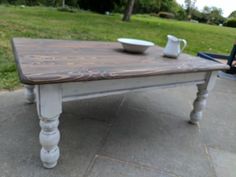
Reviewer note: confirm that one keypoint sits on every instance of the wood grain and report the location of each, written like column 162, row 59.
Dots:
column 44, row 61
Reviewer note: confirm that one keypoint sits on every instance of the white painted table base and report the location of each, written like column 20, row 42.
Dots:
column 49, row 100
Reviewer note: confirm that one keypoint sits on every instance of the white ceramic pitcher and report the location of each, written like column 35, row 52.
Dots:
column 173, row 46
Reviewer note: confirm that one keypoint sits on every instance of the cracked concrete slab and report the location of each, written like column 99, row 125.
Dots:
column 224, row 162
column 137, row 134
column 19, row 144
column 219, row 125
column 107, row 167
column 159, row 139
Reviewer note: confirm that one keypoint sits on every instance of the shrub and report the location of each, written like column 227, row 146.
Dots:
column 67, row 9
column 231, row 22
column 166, row 15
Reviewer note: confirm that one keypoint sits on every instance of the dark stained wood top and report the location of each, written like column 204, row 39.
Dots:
column 43, row 61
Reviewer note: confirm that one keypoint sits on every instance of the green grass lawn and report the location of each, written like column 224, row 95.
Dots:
column 40, row 22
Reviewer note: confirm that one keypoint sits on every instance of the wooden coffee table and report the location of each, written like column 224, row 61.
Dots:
column 59, row 70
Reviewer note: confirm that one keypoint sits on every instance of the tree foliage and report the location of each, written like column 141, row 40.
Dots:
column 101, row 6
column 98, row 6
column 233, row 14
column 145, row 6
column 190, row 6
column 211, row 15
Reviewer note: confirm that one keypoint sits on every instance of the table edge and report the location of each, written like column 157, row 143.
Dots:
column 26, row 80
column 22, row 77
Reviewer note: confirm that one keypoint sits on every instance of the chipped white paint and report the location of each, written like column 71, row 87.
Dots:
column 82, row 90
column 49, row 107
column 49, row 99
column 201, row 100
column 199, row 104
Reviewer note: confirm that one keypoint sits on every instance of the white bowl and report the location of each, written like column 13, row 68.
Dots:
column 135, row 45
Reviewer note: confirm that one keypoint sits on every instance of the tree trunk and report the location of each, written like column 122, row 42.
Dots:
column 128, row 10
column 63, row 3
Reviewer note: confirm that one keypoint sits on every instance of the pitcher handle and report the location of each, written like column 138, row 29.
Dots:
column 184, row 44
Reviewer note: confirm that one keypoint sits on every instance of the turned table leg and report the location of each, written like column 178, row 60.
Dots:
column 199, row 104
column 201, row 100
column 29, row 93
column 49, row 107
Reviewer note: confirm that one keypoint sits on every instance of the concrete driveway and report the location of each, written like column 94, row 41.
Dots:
column 140, row 134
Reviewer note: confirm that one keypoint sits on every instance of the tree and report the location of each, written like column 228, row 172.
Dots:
column 206, row 10
column 212, row 15
column 233, row 14
column 180, row 13
column 166, row 5
column 190, row 6
column 148, row 6
column 128, row 10
column 216, row 16
column 196, row 15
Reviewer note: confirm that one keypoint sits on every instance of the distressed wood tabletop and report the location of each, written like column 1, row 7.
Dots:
column 46, row 61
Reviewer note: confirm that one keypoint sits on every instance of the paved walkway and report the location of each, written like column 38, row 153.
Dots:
column 140, row 134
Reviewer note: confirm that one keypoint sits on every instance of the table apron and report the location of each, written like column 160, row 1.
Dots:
column 90, row 89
